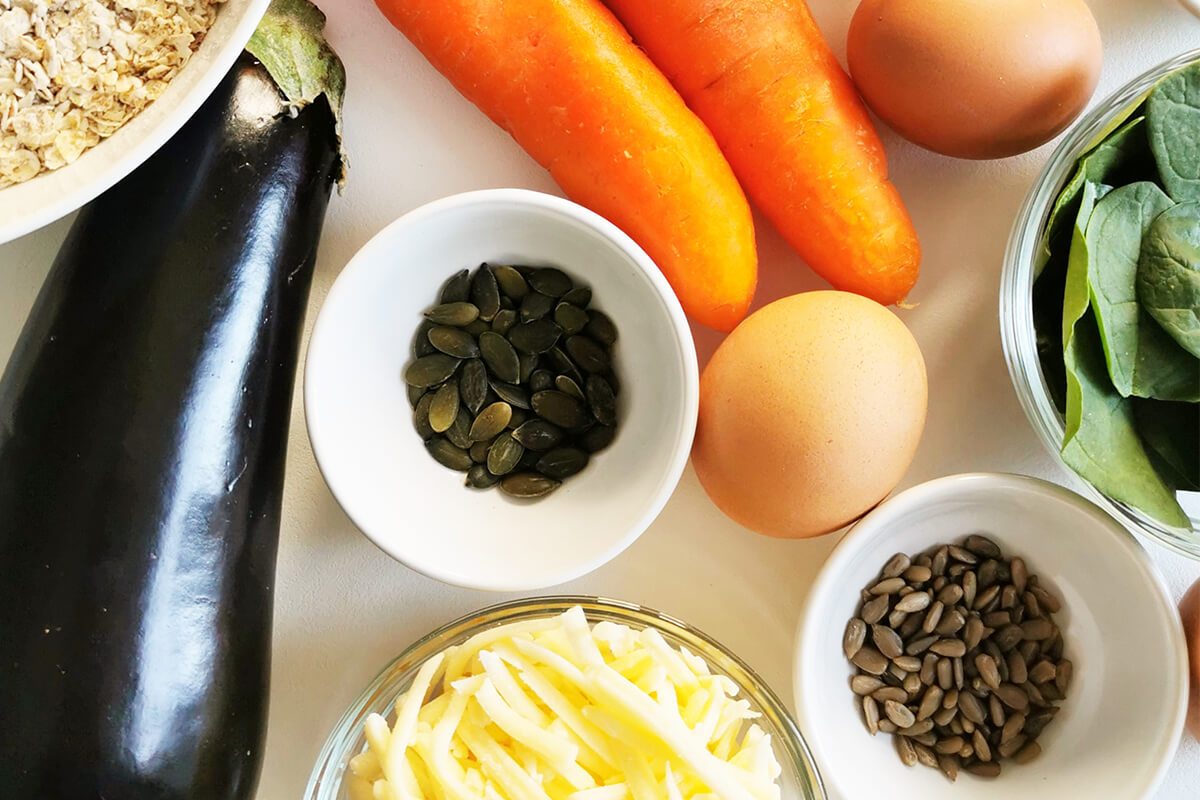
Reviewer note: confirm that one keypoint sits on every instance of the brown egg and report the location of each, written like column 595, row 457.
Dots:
column 810, row 412
column 1189, row 610
column 975, row 78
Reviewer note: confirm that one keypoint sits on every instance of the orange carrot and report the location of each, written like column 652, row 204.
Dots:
column 563, row 77
column 790, row 122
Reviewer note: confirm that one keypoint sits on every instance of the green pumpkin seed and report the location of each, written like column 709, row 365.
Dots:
column 457, row 314
column 579, row 297
column 571, row 319
column 512, row 283
column 590, row 356
column 561, row 363
column 537, row 336
column 541, row 380
column 519, row 417
column 453, row 341
column 562, row 462
column 459, row 432
column 490, row 421
column 527, row 485
column 528, row 462
column 478, row 477
column 504, row 320
column 448, row 455
column 601, row 328
column 597, row 438
column 472, row 385
column 528, row 362
column 550, row 281
column 559, row 408
column 538, row 435
column 421, row 344
column 613, row 381
column 535, row 305
column 568, row 386
column 506, row 303
column 485, row 293
column 477, row 327
column 444, row 408
column 513, row 395
column 601, row 400
column 421, row 416
column 479, row 451
column 456, row 289
column 504, row 455
column 500, row 357
column 430, row 370
column 415, row 393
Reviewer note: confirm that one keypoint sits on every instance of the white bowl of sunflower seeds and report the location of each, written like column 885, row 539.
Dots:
column 1062, row 644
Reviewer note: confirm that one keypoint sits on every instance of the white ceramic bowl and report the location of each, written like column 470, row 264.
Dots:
column 375, row 463
column 1124, row 711
column 30, row 205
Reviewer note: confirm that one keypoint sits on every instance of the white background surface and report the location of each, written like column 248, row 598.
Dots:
column 343, row 608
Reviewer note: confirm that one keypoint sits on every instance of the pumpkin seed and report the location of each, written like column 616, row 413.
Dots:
column 490, row 421
column 421, row 416
column 430, row 370
column 550, row 281
column 504, row 455
column 539, row 435
column 541, row 380
column 519, row 417
column 601, row 400
column 477, row 327
column 421, row 344
column 479, row 450
column 457, row 314
column 589, row 356
column 562, row 462
column 528, row 485
column 579, row 297
column 601, row 328
column 567, row 386
column 513, row 395
column 854, row 636
column 535, row 305
column 448, row 455
column 572, row 319
column 504, row 320
column 415, row 393
column 472, row 385
column 485, row 293
column 500, row 357
column 559, row 408
column 536, row 336
column 456, row 289
column 444, row 408
column 459, row 431
column 453, row 341
column 478, row 477
column 511, row 282
column 561, row 363
column 528, row 362
column 528, row 461
column 597, row 438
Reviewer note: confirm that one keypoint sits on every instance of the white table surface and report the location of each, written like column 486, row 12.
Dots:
column 344, row 609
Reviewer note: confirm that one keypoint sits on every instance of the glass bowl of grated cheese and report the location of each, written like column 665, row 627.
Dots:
column 566, row 698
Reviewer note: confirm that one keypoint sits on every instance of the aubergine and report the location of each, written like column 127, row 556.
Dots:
column 143, row 429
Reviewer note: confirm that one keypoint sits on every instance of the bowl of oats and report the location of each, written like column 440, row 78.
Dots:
column 89, row 89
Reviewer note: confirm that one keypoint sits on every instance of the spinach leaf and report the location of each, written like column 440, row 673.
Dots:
column 1168, row 278
column 1173, row 128
column 1121, row 157
column 1101, row 444
column 1171, row 432
column 1142, row 359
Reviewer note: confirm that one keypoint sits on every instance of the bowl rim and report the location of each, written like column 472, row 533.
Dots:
column 1017, row 333
column 796, row 746
column 182, row 104
column 868, row 531
column 564, row 210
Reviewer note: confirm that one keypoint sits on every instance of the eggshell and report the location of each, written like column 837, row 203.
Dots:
column 810, row 413
column 975, row 78
column 1189, row 610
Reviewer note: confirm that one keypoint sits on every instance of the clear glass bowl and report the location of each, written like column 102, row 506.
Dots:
column 798, row 781
column 1016, row 309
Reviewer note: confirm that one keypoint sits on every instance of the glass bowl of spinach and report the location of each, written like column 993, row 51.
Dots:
column 1100, row 303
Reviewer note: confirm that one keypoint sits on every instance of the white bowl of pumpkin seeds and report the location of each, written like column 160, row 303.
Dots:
column 1119, row 707
column 381, row 467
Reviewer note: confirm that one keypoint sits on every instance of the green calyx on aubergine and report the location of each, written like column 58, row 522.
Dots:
column 1116, row 304
column 143, row 431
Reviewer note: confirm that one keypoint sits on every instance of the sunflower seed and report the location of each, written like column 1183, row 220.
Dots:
column 951, row 623
column 868, row 659
column 948, row 764
column 912, row 683
column 908, row 754
column 421, row 416
column 910, row 626
column 916, row 601
column 458, row 314
column 988, row 573
column 490, row 422
column 865, row 684
column 504, row 455
column 562, row 462
column 596, row 438
column 984, row 769
column 538, row 435
column 925, row 755
column 969, row 707
column 853, row 637
column 970, row 586
column 589, row 356
column 566, row 385
column 579, row 297
column 511, row 394
column 895, row 566
column 1063, row 674
column 940, row 561
column 511, row 282
column 944, row 716
column 945, row 674
column 893, row 693
column 950, row 595
column 1038, row 720
column 930, row 703
column 1028, row 753
column 601, row 400
column 1008, row 637
column 1042, row 672
column 1010, row 746
column 1046, row 599
column 1037, row 629
column 887, row 726
column 898, row 713
column 950, row 744
column 887, row 641
column 996, row 711
column 1012, row 696
column 472, row 385
column 918, row 730
column 430, row 370
column 933, row 617
column 601, row 328
column 983, row 750
column 897, row 618
column 448, row 455
column 987, row 670
column 982, row 546
column 888, row 586
column 875, row 610
column 453, row 341
column 444, row 408
column 917, row 574
column 528, row 485
column 918, row 646
column 1020, row 574
column 478, row 477
column 985, row 597
column 871, row 714
column 550, row 281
